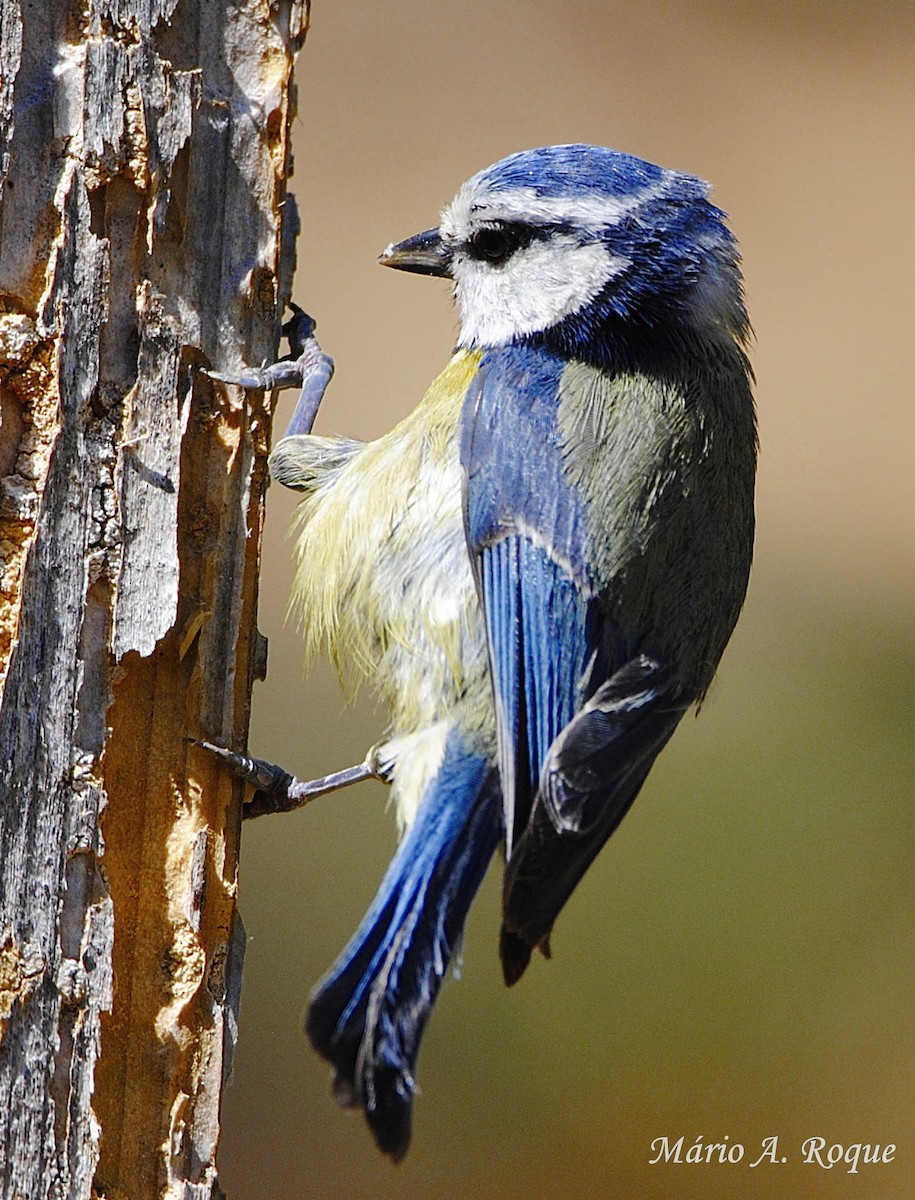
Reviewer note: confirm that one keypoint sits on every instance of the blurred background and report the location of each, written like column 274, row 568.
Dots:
column 740, row 961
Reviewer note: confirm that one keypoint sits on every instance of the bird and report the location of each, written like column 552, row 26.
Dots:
column 538, row 569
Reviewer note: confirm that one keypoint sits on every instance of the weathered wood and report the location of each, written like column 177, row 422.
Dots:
column 144, row 233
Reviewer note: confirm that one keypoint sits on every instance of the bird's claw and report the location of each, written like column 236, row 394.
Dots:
column 275, row 789
column 264, row 776
column 306, row 367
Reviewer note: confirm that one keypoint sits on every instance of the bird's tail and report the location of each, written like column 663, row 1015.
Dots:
column 368, row 1015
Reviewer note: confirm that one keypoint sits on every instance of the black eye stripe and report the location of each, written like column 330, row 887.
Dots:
column 496, row 243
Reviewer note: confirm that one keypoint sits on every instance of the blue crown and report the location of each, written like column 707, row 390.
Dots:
column 554, row 171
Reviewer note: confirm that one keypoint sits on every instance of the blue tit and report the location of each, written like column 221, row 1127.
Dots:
column 538, row 569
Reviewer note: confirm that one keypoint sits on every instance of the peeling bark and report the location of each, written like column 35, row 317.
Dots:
column 145, row 233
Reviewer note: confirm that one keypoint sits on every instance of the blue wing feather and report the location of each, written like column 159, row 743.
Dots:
column 499, row 581
column 554, row 650
column 536, row 625
column 523, row 530
column 558, row 644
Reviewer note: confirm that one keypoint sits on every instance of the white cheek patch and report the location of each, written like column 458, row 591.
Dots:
column 535, row 289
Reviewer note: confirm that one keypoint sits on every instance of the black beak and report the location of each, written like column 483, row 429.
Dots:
column 423, row 254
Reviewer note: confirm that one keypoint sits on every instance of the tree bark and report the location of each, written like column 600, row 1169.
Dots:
column 145, row 234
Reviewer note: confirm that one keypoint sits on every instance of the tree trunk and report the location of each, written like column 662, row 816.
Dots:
column 143, row 236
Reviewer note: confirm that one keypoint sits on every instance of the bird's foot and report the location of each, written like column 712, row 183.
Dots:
column 278, row 791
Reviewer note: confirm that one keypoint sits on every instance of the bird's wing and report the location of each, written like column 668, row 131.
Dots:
column 581, row 711
column 592, row 773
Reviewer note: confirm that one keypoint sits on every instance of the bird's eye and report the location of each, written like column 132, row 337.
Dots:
column 496, row 243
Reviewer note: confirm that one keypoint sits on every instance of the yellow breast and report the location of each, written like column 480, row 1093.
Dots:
column 383, row 575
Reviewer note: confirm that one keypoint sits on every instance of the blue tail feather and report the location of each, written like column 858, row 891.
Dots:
column 368, row 1015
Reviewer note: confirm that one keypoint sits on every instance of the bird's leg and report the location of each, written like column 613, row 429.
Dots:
column 310, row 369
column 306, row 367
column 277, row 790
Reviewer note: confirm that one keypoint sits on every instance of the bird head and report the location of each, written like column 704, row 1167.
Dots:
column 580, row 247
